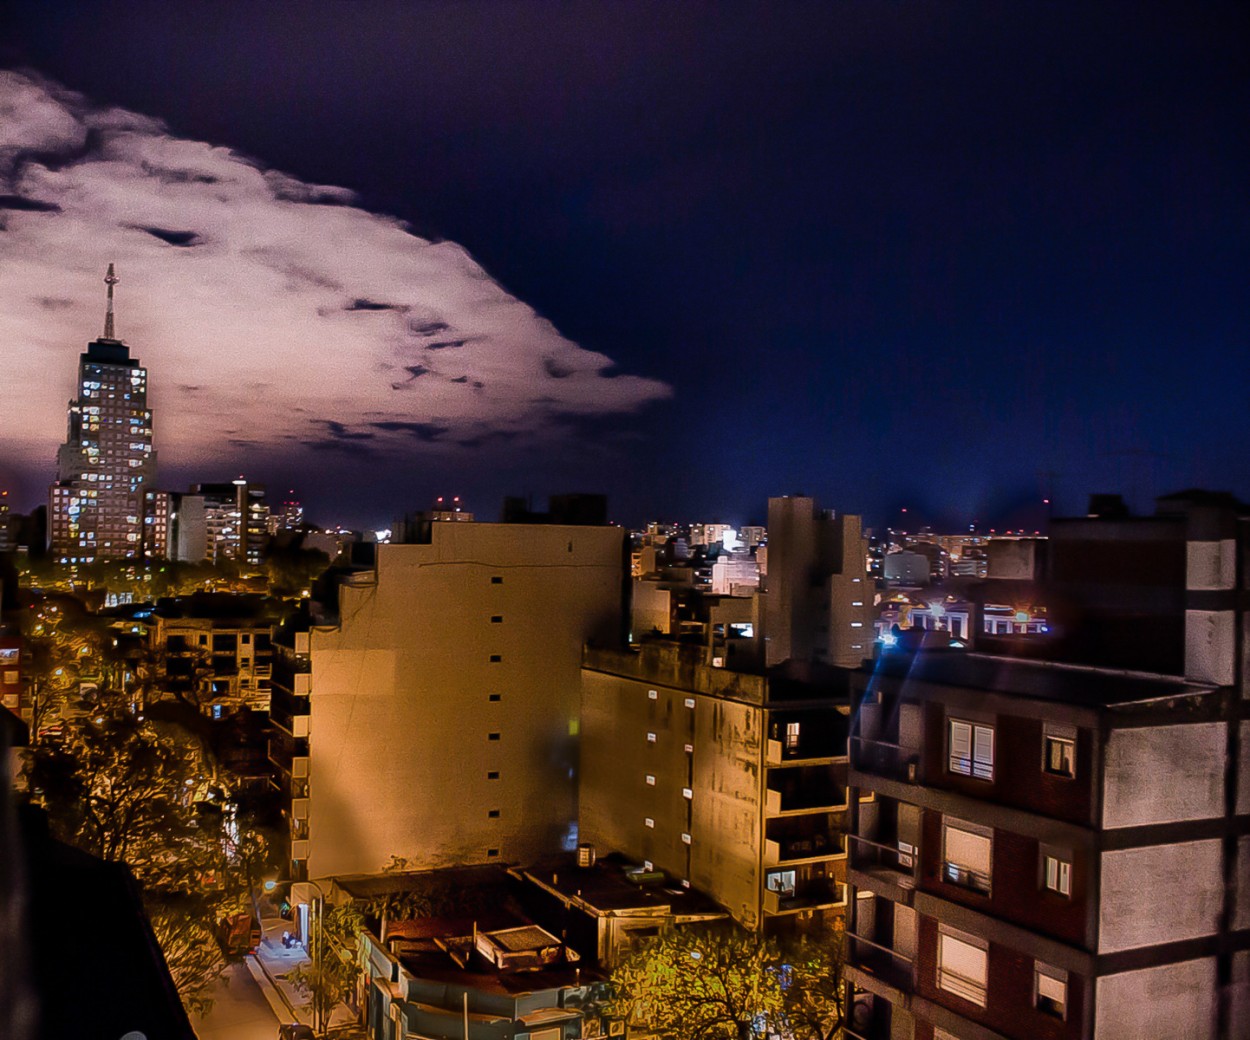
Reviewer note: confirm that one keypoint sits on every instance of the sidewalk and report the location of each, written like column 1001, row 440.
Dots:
column 271, row 966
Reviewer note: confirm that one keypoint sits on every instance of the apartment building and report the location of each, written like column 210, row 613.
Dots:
column 731, row 782
column 443, row 698
column 1055, row 848
column 217, row 649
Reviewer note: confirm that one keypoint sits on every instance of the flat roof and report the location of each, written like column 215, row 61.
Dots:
column 605, row 887
column 1040, row 680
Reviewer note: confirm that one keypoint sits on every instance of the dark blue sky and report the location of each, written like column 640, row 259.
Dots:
column 888, row 254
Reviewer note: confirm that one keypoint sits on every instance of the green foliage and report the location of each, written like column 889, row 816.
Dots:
column 125, row 790
column 330, row 975
column 727, row 984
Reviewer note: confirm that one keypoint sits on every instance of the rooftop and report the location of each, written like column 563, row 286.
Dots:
column 1041, row 680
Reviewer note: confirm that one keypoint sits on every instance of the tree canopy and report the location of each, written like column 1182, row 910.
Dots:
column 728, row 984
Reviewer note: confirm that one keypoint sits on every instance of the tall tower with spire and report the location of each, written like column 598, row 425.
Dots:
column 107, row 464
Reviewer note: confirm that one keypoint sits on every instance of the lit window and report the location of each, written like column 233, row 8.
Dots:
column 650, row 780
column 653, row 694
column 648, row 822
column 966, row 855
column 1057, row 875
column 689, row 702
column 962, row 967
column 1059, row 756
column 971, row 749
column 1050, row 989
column 687, row 839
column 650, row 738
column 792, row 736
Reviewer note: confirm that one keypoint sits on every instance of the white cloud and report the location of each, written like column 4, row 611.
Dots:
column 266, row 309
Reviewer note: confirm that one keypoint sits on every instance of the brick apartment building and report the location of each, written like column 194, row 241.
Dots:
column 1056, row 848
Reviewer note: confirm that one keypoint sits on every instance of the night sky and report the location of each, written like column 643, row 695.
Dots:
column 943, row 257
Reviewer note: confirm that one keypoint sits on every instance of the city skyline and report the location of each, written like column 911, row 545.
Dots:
column 891, row 258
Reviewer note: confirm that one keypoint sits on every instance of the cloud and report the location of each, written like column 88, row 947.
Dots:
column 257, row 302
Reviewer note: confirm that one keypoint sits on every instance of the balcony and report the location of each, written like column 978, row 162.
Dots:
column 781, row 753
column 881, row 758
column 784, row 803
column 816, row 895
column 880, row 962
column 893, row 865
column 802, row 848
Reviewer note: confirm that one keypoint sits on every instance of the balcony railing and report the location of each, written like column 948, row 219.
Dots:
column 816, row 895
column 830, row 799
column 802, row 847
column 900, row 858
column 881, row 758
column 965, row 877
column 885, row 963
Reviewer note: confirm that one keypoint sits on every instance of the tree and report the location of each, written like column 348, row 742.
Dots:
column 727, row 984
column 811, row 989
column 330, row 975
column 127, row 791
column 701, row 984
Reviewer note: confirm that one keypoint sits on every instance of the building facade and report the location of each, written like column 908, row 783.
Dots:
column 1060, row 848
column 444, row 697
column 107, row 463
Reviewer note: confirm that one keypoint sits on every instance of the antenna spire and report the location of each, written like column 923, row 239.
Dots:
column 110, row 280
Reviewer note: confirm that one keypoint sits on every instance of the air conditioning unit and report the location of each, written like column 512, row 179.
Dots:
column 616, row 1027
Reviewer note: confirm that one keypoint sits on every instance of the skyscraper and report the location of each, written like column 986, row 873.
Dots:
column 105, row 466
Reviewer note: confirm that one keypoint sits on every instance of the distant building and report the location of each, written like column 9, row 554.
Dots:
column 97, row 505
column 217, row 649
column 236, row 521
column 818, row 604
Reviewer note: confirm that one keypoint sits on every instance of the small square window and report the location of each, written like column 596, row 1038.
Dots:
column 496, row 580
column 495, row 697
column 653, row 695
column 496, row 658
column 493, row 775
column 648, row 822
column 687, row 839
column 492, row 853
column 493, row 814
column 650, row 738
column 1059, row 756
column 650, row 780
column 689, row 702
column 492, row 736
column 1057, row 875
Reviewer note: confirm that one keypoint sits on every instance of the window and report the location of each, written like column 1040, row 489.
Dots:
column 648, row 822
column 492, row 736
column 1057, row 875
column 493, row 775
column 689, row 702
column 1050, row 989
column 971, row 749
column 492, row 853
column 653, row 695
column 493, row 814
column 962, row 967
column 496, row 580
column 495, row 697
column 496, row 658
column 496, row 619
column 906, row 855
column 792, row 736
column 650, row 738
column 650, row 780
column 966, row 854
column 1059, row 756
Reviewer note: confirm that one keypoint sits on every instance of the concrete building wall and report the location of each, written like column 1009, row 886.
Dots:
column 651, row 610
column 635, row 768
column 444, row 708
column 1164, row 774
column 1210, row 646
column 1176, row 1001
column 1159, row 894
column 728, row 755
